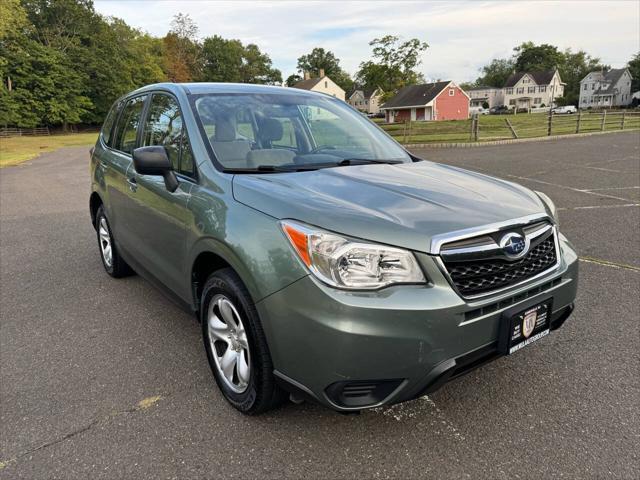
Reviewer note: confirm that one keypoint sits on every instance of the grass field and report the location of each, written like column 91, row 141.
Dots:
column 15, row 150
column 494, row 127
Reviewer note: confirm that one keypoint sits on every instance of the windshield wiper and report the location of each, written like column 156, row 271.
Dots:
column 364, row 161
column 273, row 168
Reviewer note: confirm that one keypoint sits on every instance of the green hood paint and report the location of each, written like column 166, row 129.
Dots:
column 403, row 205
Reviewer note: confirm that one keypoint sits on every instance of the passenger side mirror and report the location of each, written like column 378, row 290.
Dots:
column 154, row 160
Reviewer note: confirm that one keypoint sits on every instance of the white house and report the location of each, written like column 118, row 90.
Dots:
column 366, row 100
column 533, row 89
column 493, row 96
column 606, row 89
column 321, row 84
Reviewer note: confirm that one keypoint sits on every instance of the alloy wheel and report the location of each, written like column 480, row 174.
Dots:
column 228, row 342
column 105, row 242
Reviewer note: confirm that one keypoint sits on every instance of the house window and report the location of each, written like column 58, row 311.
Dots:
column 452, row 92
column 326, row 84
column 531, row 90
column 593, row 85
column 585, row 86
column 542, row 88
column 509, row 91
column 512, row 102
column 520, row 90
column 537, row 101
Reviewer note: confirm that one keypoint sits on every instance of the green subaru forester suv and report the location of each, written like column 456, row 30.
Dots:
column 323, row 260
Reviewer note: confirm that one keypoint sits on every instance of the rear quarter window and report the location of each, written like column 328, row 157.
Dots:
column 107, row 126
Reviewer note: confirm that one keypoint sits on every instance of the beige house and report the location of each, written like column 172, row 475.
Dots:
column 533, row 89
column 322, row 84
column 493, row 96
column 366, row 100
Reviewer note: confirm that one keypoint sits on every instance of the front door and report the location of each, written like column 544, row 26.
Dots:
column 159, row 215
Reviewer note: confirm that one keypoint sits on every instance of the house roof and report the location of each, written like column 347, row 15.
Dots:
column 413, row 95
column 611, row 79
column 308, row 84
column 368, row 93
column 541, row 77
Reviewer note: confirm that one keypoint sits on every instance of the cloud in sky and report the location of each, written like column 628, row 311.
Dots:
column 463, row 35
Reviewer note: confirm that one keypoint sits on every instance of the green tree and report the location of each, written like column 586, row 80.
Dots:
column 530, row 57
column 573, row 67
column 226, row 60
column 496, row 73
column 321, row 59
column 293, row 79
column 634, row 69
column 393, row 65
column 181, row 49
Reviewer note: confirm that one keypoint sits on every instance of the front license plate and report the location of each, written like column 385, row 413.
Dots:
column 525, row 327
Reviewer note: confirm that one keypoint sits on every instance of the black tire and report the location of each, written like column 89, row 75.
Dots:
column 117, row 268
column 261, row 392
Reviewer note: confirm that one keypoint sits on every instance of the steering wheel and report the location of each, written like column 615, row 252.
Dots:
column 320, row 148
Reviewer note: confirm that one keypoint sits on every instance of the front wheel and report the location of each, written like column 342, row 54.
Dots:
column 111, row 259
column 236, row 346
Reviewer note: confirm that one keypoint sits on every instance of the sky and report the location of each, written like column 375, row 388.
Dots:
column 462, row 35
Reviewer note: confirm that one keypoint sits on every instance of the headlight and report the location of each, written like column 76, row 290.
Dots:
column 551, row 207
column 349, row 264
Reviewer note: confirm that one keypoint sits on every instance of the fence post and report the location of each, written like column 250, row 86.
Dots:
column 622, row 121
column 475, row 133
column 549, row 123
column 513, row 132
column 410, row 129
column 579, row 119
column 473, row 126
column 604, row 120
column 404, row 132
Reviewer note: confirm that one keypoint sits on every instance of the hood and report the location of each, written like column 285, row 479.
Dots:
column 403, row 205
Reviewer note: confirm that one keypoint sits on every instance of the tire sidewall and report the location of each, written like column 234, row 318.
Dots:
column 219, row 285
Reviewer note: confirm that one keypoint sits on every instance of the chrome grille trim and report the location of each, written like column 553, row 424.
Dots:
column 535, row 234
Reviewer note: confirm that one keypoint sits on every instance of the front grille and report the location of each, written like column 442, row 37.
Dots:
column 477, row 276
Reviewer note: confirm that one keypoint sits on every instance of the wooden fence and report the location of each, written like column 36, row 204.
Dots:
column 19, row 132
column 502, row 127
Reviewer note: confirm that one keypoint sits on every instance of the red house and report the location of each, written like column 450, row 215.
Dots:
column 432, row 101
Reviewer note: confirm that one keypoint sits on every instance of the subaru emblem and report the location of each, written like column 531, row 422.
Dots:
column 514, row 245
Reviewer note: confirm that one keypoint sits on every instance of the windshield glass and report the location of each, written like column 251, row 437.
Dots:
column 290, row 131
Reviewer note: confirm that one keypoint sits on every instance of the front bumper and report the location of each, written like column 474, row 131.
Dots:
column 355, row 350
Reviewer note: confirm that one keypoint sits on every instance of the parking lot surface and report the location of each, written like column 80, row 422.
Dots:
column 104, row 378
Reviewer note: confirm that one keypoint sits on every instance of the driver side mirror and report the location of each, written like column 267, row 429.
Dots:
column 154, row 160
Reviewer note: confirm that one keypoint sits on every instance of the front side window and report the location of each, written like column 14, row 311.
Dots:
column 164, row 126
column 127, row 130
column 258, row 131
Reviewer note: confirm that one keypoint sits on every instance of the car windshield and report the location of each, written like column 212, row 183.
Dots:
column 290, row 132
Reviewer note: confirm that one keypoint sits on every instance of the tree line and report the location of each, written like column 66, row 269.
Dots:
column 62, row 63
column 572, row 66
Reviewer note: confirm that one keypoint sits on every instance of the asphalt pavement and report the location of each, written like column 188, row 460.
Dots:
column 105, row 378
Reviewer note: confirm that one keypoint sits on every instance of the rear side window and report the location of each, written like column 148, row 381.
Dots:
column 163, row 126
column 128, row 124
column 107, row 126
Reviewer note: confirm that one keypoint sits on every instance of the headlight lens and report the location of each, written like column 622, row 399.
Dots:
column 551, row 207
column 349, row 264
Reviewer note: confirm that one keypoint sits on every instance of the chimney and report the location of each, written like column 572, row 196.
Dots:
column 306, row 75
column 321, row 72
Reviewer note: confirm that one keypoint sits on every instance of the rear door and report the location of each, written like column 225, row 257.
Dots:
column 158, row 216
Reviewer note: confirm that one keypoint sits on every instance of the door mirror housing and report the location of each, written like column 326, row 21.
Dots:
column 154, row 160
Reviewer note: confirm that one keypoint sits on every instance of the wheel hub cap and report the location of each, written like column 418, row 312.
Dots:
column 228, row 342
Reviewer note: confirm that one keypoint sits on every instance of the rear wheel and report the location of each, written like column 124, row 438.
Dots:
column 111, row 259
column 236, row 346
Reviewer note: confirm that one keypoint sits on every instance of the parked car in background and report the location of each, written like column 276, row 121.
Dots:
column 497, row 110
column 478, row 111
column 565, row 109
column 322, row 259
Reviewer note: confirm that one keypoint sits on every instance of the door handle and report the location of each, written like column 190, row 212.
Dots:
column 133, row 184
